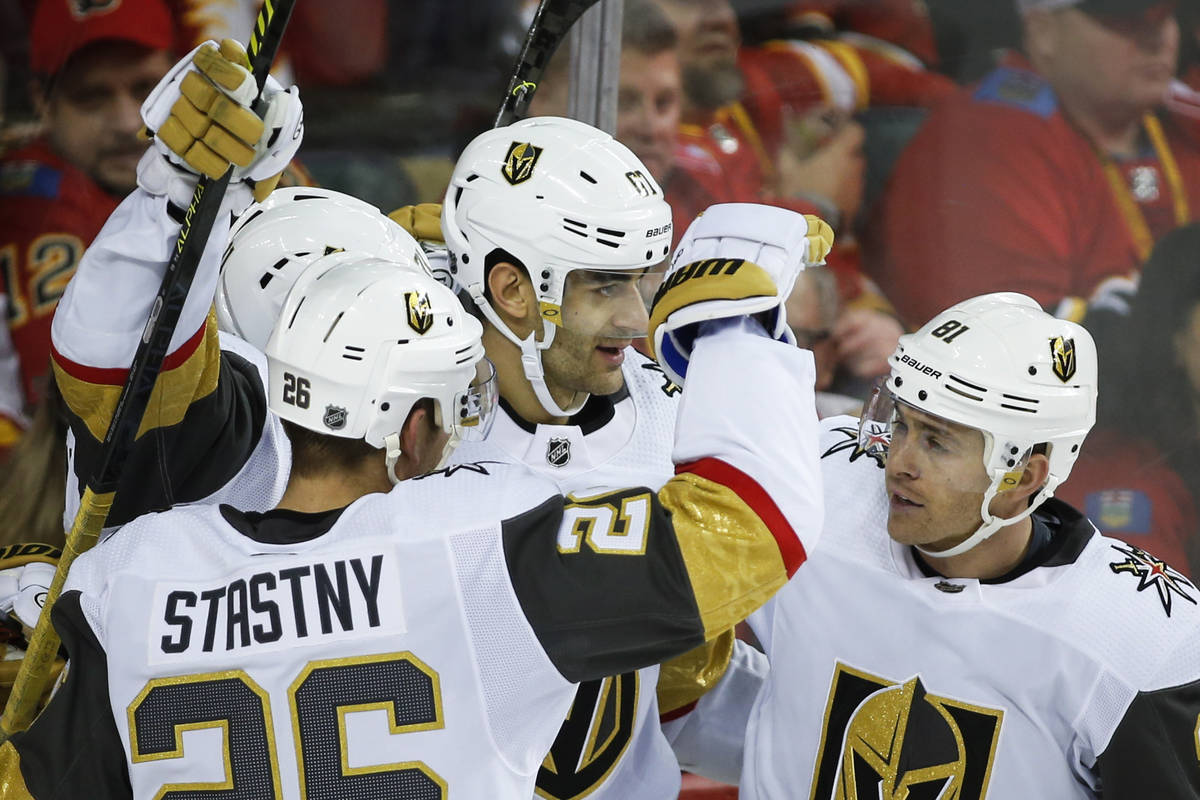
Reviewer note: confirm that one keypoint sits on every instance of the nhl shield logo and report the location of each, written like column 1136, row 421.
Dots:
column 335, row 418
column 519, row 162
column 558, row 452
column 420, row 313
column 1062, row 357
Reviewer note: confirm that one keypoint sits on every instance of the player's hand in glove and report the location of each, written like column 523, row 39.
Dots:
column 201, row 117
column 424, row 223
column 735, row 260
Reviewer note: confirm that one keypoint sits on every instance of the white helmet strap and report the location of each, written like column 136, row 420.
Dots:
column 991, row 524
column 531, row 355
column 391, row 444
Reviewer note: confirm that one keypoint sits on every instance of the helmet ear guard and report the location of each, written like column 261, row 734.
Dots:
column 1000, row 364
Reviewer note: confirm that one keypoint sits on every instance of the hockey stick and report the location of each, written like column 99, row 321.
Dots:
column 35, row 673
column 551, row 23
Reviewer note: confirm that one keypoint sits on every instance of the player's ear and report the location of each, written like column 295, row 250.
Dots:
column 513, row 297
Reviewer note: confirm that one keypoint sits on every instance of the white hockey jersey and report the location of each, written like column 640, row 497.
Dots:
column 1079, row 678
column 611, row 745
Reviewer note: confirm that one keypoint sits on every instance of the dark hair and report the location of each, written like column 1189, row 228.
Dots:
column 315, row 454
column 646, row 29
column 1144, row 388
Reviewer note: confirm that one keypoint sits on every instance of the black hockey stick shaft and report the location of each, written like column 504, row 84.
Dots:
column 551, row 23
column 199, row 218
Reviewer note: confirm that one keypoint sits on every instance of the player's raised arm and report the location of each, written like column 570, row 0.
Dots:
column 202, row 123
column 719, row 538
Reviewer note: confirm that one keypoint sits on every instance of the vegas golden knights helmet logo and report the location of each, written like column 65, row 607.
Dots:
column 519, row 162
column 893, row 741
column 420, row 314
column 1062, row 355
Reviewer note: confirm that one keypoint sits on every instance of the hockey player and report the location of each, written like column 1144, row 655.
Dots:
column 959, row 632
column 433, row 623
column 549, row 224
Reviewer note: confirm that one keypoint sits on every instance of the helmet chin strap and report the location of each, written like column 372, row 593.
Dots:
column 531, row 357
column 990, row 526
column 391, row 445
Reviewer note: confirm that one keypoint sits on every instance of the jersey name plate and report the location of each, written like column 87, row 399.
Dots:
column 276, row 605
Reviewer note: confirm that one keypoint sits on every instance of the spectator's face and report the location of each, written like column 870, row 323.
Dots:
column 708, row 44
column 649, row 100
column 811, row 309
column 1122, row 65
column 935, row 480
column 92, row 111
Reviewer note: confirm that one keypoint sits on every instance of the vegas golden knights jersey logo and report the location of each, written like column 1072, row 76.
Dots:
column 595, row 735
column 1062, row 355
column 893, row 741
column 420, row 314
column 520, row 161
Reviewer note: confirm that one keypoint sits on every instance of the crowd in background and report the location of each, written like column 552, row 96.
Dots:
column 957, row 146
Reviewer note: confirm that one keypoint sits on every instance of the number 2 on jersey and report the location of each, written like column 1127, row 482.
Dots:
column 319, row 698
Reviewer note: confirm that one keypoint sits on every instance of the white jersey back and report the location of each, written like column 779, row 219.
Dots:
column 454, row 690
column 629, row 446
column 883, row 677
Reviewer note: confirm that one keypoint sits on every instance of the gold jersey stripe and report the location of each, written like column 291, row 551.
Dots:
column 732, row 559
column 685, row 679
column 174, row 391
column 12, row 782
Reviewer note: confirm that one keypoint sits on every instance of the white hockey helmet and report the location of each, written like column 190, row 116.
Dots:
column 360, row 341
column 555, row 195
column 1000, row 364
column 272, row 242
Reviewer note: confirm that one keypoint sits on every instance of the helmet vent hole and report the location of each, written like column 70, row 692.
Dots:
column 299, row 305
column 587, row 177
column 899, row 381
column 352, row 353
column 649, row 254
column 1033, row 370
column 610, row 232
column 336, row 320
column 608, row 243
column 922, row 395
column 1074, row 448
column 975, row 387
column 666, row 248
column 961, row 393
column 264, row 280
column 384, row 406
column 471, row 177
column 1019, row 399
column 281, row 263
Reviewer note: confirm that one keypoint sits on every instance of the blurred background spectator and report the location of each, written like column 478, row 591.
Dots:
column 1054, row 177
column 1149, row 412
column 90, row 75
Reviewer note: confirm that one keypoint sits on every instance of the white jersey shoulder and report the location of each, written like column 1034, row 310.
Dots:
column 403, row 608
